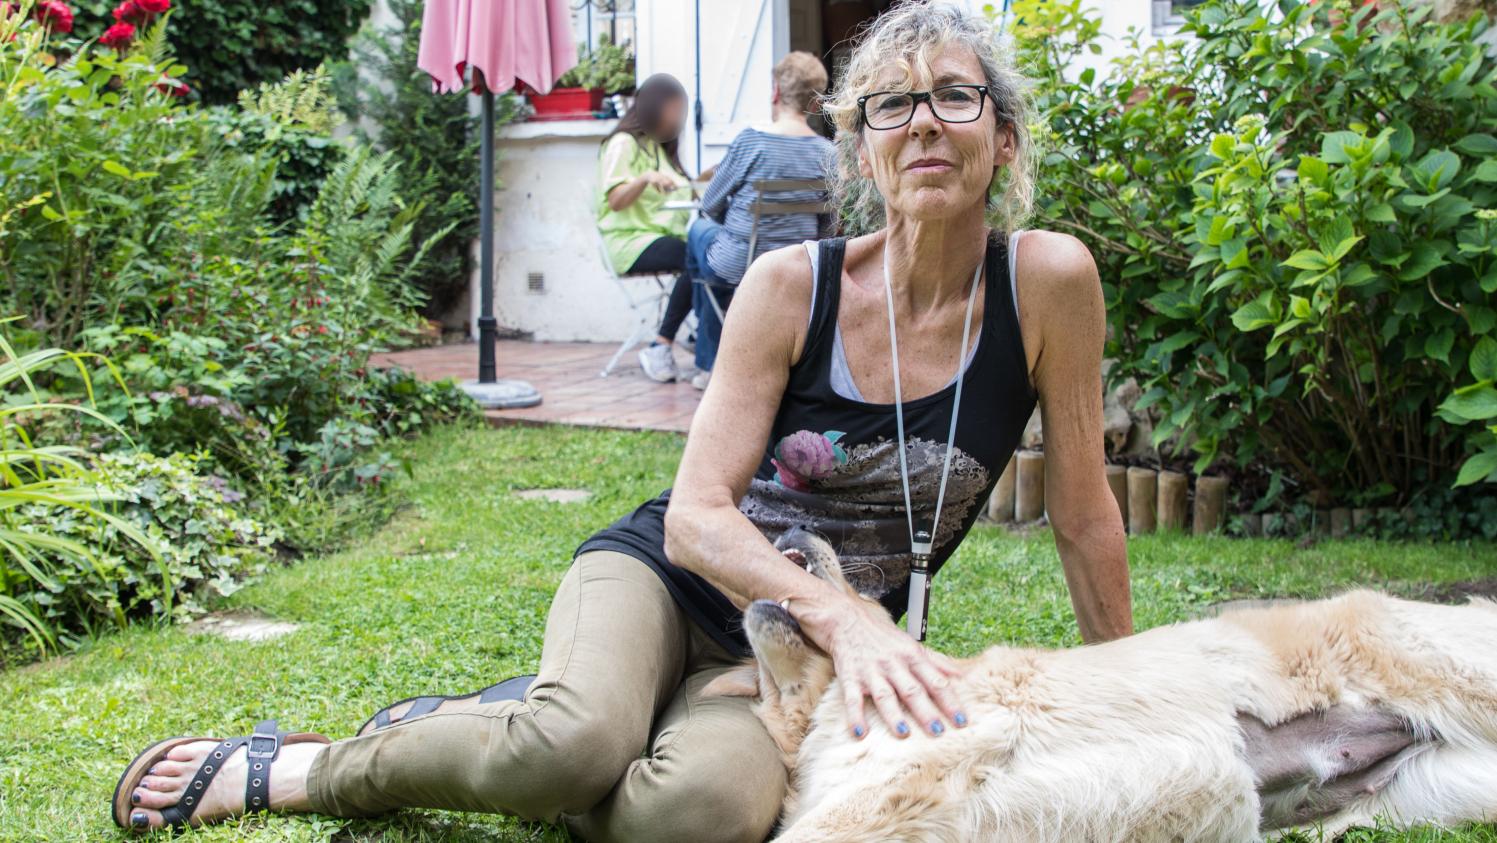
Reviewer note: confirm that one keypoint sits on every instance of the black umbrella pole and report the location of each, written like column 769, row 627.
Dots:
column 488, row 390
column 487, row 325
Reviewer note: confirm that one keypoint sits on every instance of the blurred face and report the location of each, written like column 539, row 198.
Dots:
column 929, row 169
column 672, row 119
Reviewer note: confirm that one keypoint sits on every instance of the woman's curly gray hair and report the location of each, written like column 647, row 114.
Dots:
column 909, row 36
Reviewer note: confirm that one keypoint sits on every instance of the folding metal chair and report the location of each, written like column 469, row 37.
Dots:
column 646, row 294
column 765, row 206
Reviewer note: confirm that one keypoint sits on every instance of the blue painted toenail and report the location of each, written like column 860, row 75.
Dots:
column 903, row 728
column 138, row 819
column 961, row 719
column 936, row 727
column 857, row 731
column 135, row 798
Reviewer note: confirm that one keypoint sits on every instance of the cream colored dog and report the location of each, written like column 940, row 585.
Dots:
column 1331, row 713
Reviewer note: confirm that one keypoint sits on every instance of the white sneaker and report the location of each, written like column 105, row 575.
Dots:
column 701, row 379
column 659, row 364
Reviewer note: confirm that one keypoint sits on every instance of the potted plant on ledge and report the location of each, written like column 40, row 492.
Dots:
column 579, row 93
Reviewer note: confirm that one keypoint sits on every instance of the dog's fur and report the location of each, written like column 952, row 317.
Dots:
column 1331, row 713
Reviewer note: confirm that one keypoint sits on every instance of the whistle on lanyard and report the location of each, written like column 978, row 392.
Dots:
column 919, row 607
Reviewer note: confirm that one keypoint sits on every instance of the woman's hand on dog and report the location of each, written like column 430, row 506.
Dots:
column 876, row 660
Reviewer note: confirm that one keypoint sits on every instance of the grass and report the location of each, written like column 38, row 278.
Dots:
column 452, row 594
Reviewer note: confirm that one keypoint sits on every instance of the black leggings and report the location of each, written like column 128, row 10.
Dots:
column 668, row 254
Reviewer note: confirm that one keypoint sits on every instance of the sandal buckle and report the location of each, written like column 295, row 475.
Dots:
column 261, row 745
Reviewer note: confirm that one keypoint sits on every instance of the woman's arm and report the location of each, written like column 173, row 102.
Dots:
column 1064, row 319
column 626, row 193
column 621, row 188
column 704, row 530
column 727, row 179
column 707, row 534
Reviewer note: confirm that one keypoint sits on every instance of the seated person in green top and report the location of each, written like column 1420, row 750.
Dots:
column 638, row 171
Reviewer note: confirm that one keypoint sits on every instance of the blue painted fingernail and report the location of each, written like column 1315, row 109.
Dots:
column 903, row 728
column 936, row 727
column 960, row 719
column 138, row 819
column 857, row 731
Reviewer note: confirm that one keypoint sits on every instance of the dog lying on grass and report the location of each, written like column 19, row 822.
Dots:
column 1325, row 714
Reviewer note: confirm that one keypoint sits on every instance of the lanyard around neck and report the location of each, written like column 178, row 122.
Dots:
column 920, row 551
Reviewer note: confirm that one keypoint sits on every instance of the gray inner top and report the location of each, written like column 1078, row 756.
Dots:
column 841, row 376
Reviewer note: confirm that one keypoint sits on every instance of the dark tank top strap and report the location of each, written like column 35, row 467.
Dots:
column 1001, row 316
column 823, row 321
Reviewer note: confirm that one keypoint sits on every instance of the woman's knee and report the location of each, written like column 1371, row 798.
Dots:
column 571, row 764
column 732, row 804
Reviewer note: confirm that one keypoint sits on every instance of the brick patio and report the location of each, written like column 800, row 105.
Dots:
column 566, row 373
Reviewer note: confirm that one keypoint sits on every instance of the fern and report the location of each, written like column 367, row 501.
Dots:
column 303, row 99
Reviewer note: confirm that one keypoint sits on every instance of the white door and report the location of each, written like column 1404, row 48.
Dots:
column 735, row 43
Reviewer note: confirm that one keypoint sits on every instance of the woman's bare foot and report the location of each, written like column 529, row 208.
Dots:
column 224, row 798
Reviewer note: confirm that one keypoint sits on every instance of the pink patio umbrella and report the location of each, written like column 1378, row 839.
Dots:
column 496, row 42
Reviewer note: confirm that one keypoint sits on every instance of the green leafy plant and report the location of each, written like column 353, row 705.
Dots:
column 96, row 162
column 37, row 558
column 1477, row 402
column 1288, row 211
column 609, row 67
column 209, row 546
column 291, row 122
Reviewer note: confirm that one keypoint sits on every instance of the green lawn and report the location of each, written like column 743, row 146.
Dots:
column 452, row 594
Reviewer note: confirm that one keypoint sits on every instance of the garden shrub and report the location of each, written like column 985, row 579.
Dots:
column 209, row 546
column 1291, row 212
column 91, row 539
column 234, row 45
column 114, row 162
column 291, row 121
column 35, row 471
column 147, row 228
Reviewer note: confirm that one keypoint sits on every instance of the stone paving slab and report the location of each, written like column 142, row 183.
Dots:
column 566, row 373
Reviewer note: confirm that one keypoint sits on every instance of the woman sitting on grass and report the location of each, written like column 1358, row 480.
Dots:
column 870, row 387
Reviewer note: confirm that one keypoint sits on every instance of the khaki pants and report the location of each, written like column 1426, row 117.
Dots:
column 614, row 738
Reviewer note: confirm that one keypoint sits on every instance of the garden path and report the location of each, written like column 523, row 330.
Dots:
column 566, row 373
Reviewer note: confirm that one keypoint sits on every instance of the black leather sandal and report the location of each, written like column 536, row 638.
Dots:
column 261, row 751
column 510, row 689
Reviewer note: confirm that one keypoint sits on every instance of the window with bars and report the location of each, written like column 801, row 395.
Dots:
column 595, row 19
column 1169, row 14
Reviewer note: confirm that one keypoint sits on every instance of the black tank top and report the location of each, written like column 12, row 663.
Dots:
column 832, row 463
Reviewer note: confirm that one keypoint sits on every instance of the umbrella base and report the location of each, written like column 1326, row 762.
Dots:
column 502, row 394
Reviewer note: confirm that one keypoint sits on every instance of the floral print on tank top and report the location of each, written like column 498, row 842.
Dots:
column 854, row 496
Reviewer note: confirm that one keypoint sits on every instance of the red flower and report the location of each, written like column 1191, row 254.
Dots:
column 118, row 36
column 153, row 7
column 176, row 88
column 54, row 15
column 129, row 12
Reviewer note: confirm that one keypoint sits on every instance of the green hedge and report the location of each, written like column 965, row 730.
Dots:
column 232, row 45
column 1292, row 214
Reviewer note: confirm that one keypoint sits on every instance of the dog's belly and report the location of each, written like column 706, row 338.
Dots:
column 1318, row 764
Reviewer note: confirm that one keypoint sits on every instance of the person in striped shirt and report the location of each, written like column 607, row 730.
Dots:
column 717, row 244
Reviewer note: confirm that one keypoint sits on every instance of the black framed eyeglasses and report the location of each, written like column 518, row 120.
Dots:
column 949, row 103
